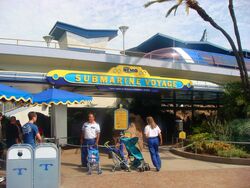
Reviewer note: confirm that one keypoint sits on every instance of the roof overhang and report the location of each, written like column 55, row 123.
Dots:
column 60, row 28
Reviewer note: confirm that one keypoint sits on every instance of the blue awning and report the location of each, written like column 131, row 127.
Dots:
column 58, row 96
column 8, row 93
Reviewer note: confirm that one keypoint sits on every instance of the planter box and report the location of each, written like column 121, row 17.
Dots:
column 215, row 159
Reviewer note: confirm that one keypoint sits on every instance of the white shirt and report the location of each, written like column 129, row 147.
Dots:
column 152, row 132
column 90, row 130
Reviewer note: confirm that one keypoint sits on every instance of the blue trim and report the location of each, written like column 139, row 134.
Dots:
column 208, row 58
column 60, row 28
column 10, row 93
column 159, row 41
column 57, row 96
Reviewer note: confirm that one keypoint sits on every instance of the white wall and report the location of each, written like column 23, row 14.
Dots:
column 59, row 122
column 99, row 102
column 70, row 40
column 21, row 114
column 63, row 41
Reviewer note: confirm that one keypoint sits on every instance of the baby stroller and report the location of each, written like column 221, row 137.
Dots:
column 93, row 160
column 134, row 152
column 118, row 157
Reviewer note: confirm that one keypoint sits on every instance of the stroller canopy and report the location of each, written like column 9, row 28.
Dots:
column 130, row 144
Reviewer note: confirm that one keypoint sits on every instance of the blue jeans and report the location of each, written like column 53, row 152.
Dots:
column 153, row 144
column 84, row 153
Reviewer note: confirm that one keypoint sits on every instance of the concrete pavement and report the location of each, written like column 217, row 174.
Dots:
column 176, row 172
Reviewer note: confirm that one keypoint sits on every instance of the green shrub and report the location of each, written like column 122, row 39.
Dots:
column 219, row 129
column 235, row 152
column 198, row 147
column 198, row 141
column 196, row 129
column 214, row 147
column 240, row 129
column 235, row 102
column 200, row 137
column 203, row 144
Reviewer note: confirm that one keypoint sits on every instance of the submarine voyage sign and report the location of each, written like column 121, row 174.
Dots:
column 121, row 75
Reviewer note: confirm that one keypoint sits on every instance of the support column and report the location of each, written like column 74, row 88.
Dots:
column 175, row 128
column 192, row 104
column 59, row 122
column 174, row 101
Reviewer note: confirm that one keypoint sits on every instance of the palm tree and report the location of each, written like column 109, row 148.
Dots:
column 194, row 4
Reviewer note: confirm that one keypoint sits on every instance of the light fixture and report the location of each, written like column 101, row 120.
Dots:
column 48, row 39
column 123, row 29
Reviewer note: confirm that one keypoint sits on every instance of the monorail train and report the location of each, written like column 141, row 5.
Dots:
column 184, row 55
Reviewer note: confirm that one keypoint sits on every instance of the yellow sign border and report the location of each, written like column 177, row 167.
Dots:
column 122, row 71
column 127, row 119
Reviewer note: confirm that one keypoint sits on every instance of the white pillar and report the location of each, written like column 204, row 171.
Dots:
column 59, row 122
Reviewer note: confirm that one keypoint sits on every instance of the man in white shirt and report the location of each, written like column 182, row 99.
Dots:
column 90, row 136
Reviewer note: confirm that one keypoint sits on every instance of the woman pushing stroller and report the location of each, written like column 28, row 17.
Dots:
column 153, row 134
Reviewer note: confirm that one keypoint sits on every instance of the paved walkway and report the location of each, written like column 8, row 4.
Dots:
column 176, row 172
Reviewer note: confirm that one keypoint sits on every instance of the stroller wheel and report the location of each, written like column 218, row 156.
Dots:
column 89, row 169
column 141, row 169
column 147, row 167
column 99, row 172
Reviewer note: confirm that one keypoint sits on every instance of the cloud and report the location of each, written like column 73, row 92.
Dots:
column 32, row 19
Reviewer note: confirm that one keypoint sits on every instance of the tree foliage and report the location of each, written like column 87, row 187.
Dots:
column 235, row 103
column 194, row 4
column 240, row 130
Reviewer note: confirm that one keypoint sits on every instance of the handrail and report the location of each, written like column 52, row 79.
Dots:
column 211, row 140
column 229, row 142
column 17, row 41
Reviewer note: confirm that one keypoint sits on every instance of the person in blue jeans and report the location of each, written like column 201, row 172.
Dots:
column 153, row 134
column 89, row 136
column 30, row 131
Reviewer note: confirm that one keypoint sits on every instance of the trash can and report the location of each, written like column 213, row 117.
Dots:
column 19, row 166
column 46, row 166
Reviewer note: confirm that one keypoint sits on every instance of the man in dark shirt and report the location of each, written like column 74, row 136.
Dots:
column 12, row 135
column 30, row 131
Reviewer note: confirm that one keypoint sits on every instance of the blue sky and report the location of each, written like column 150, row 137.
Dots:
column 32, row 19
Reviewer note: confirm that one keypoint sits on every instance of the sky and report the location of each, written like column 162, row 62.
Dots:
column 32, row 19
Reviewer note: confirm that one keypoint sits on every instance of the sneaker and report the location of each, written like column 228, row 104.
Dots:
column 157, row 169
column 2, row 179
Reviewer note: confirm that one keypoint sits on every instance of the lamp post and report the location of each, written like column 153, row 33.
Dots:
column 123, row 29
column 48, row 39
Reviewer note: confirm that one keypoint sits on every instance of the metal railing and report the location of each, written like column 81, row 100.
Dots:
column 53, row 44
column 244, row 145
